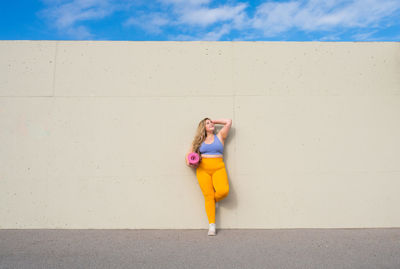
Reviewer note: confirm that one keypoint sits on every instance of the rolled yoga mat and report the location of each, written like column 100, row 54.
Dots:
column 193, row 158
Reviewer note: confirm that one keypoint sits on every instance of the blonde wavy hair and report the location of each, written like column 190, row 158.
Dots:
column 200, row 135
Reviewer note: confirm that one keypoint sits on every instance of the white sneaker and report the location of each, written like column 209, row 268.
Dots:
column 212, row 229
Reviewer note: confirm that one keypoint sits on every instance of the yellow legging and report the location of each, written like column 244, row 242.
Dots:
column 213, row 181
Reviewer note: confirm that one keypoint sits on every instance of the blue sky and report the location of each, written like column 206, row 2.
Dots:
column 197, row 20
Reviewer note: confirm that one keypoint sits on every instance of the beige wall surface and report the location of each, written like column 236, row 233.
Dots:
column 94, row 133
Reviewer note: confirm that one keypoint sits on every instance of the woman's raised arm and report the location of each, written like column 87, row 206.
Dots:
column 227, row 126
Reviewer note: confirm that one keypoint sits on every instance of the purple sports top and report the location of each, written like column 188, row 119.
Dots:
column 215, row 148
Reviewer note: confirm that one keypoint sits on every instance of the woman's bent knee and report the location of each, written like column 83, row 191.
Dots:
column 223, row 193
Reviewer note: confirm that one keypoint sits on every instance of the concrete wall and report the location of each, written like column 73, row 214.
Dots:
column 94, row 133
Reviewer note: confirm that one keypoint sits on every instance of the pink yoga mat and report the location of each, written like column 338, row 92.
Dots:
column 193, row 158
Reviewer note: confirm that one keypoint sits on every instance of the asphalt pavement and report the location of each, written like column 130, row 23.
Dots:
column 230, row 248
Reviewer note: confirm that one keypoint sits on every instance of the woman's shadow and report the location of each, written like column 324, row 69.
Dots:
column 229, row 203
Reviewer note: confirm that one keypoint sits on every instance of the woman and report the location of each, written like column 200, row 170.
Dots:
column 210, row 171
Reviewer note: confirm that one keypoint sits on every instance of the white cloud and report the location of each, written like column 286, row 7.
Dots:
column 216, row 35
column 65, row 15
column 204, row 16
column 194, row 13
column 274, row 17
column 329, row 38
column 150, row 22
column 270, row 18
column 79, row 32
column 181, row 37
column 69, row 13
column 318, row 15
column 185, row 3
column 363, row 36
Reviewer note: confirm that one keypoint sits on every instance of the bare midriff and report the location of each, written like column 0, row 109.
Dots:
column 211, row 156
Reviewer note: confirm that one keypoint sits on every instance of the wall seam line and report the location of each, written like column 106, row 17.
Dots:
column 54, row 70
